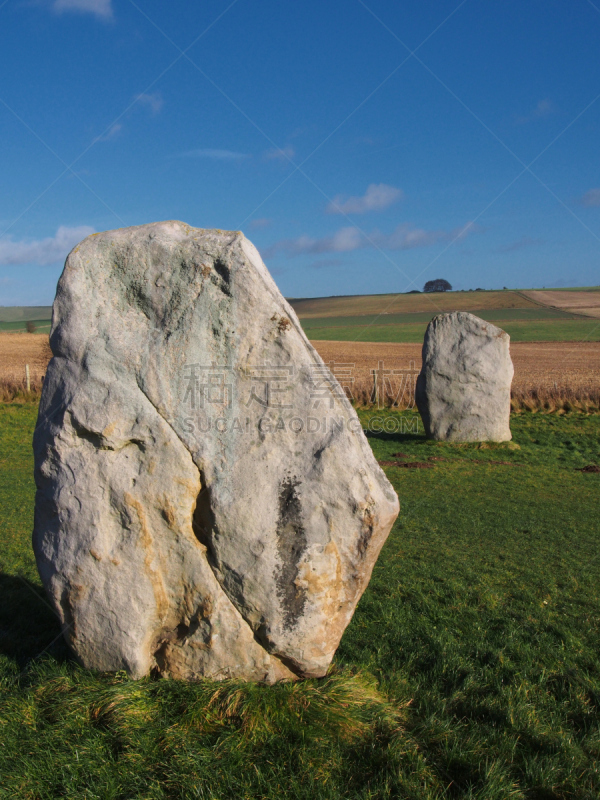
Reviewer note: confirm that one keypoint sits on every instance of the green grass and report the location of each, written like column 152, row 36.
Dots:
column 491, row 315
column 470, row 669
column 549, row 329
column 41, row 325
column 24, row 313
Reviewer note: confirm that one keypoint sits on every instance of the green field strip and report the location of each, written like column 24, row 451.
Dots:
column 25, row 313
column 573, row 330
column 491, row 315
column 41, row 325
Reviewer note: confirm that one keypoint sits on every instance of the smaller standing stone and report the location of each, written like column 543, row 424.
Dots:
column 463, row 390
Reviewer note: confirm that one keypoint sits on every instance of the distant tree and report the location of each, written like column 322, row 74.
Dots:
column 30, row 327
column 414, row 291
column 438, row 285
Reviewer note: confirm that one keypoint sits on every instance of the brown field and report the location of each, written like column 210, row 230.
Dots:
column 18, row 349
column 539, row 366
column 587, row 303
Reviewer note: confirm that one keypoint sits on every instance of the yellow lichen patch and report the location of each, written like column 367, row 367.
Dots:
column 321, row 576
column 158, row 586
column 109, row 430
column 168, row 513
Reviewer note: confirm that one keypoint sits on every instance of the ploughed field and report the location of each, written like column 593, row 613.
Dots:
column 19, row 349
column 586, row 302
column 470, row 669
column 538, row 365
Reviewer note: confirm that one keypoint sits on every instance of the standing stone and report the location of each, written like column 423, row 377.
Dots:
column 207, row 503
column 463, row 390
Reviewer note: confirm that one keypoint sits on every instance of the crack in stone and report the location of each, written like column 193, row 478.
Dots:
column 205, row 489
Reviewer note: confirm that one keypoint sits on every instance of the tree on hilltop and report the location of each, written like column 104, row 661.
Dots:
column 438, row 285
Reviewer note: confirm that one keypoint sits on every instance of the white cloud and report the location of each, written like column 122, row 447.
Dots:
column 113, row 131
column 342, row 241
column 348, row 239
column 101, row 8
column 42, row 251
column 323, row 263
column 520, row 244
column 262, row 222
column 152, row 101
column 377, row 197
column 217, row 155
column 544, row 108
column 591, row 198
column 405, row 237
column 280, row 154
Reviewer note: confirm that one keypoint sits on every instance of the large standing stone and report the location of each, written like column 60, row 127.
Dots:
column 463, row 390
column 207, row 502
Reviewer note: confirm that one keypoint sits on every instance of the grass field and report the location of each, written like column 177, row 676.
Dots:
column 532, row 330
column 403, row 318
column 523, row 324
column 432, row 303
column 41, row 325
column 470, row 669
column 15, row 318
column 492, row 315
column 526, row 316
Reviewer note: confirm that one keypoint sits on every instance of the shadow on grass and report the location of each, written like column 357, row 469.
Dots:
column 28, row 626
column 383, row 436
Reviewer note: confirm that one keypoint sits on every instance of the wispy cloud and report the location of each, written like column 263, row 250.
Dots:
column 42, row 251
column 113, row 131
column 521, row 244
column 280, row 154
column 343, row 241
column 591, row 198
column 216, row 155
column 544, row 108
column 153, row 101
column 101, row 8
column 262, row 222
column 324, row 263
column 348, row 239
column 377, row 197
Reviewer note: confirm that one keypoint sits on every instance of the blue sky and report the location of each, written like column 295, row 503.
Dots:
column 362, row 146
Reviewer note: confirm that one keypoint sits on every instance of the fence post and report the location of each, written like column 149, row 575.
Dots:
column 27, row 380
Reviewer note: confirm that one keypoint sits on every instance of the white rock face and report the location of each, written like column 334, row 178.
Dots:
column 207, row 502
column 463, row 390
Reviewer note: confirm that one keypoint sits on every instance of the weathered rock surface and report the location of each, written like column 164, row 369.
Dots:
column 207, row 502
column 463, row 390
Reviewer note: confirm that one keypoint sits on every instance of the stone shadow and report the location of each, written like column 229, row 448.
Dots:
column 28, row 626
column 398, row 437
